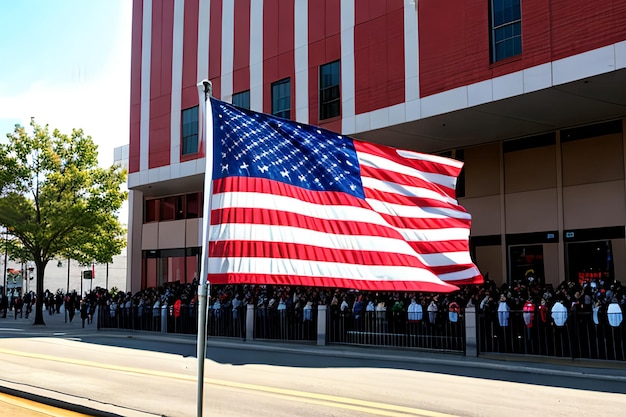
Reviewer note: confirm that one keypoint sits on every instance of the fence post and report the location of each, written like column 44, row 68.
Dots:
column 471, row 348
column 164, row 318
column 250, row 321
column 321, row 324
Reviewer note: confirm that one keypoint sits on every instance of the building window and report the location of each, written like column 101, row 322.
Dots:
column 168, row 208
column 190, row 131
column 151, row 213
column 506, row 29
column 242, row 99
column 194, row 205
column 330, row 93
column 281, row 98
column 178, row 207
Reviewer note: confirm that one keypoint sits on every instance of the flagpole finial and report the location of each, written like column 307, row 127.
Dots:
column 207, row 88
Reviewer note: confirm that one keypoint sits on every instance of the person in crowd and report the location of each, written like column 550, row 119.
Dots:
column 559, row 313
column 414, row 311
column 503, row 311
column 18, row 305
column 4, row 303
column 432, row 311
column 614, row 313
column 28, row 300
column 84, row 311
column 454, row 309
column 529, row 312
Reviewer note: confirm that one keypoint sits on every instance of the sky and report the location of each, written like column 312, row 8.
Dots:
column 67, row 64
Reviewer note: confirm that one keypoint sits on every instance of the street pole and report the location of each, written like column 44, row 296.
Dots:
column 206, row 135
column 6, row 253
column 107, row 278
column 67, row 291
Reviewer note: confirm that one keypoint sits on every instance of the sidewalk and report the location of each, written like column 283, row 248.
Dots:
column 58, row 325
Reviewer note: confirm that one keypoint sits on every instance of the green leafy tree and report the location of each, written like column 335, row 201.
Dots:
column 56, row 201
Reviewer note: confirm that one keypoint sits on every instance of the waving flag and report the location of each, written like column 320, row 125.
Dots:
column 299, row 205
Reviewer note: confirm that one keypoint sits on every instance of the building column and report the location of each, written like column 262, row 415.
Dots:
column 503, row 247
column 133, row 252
column 559, row 208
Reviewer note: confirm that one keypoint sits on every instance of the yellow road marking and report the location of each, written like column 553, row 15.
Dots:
column 370, row 407
column 37, row 407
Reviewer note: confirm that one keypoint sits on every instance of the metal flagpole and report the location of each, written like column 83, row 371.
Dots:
column 206, row 137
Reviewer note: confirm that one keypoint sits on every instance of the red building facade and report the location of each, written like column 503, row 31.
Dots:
column 531, row 96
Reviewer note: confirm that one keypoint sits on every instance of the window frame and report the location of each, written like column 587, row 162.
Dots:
column 329, row 107
column 508, row 24
column 284, row 112
column 242, row 99
column 189, row 143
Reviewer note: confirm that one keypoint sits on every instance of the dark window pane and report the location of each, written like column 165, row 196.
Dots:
column 506, row 29
column 242, row 99
column 180, row 207
column 281, row 98
column 190, row 131
column 168, row 208
column 151, row 213
column 505, row 11
column 193, row 206
column 330, row 92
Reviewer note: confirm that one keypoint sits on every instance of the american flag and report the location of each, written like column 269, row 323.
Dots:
column 296, row 204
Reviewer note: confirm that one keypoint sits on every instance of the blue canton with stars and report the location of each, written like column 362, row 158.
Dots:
column 252, row 144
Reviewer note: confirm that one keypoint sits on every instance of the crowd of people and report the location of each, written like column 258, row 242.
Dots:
column 597, row 297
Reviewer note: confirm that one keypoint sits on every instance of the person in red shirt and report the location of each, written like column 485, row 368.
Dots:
column 177, row 308
column 529, row 313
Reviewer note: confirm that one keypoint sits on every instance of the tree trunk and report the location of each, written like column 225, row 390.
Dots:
column 40, row 294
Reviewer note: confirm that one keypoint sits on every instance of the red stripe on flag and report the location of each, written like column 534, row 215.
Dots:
column 407, row 180
column 275, row 279
column 247, row 215
column 283, row 250
column 277, row 188
column 424, row 165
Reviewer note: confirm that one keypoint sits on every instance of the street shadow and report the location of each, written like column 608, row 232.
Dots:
column 299, row 355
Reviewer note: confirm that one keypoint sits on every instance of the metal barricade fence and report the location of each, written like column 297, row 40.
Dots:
column 226, row 321
column 222, row 322
column 129, row 318
column 183, row 320
column 393, row 329
column 290, row 324
column 535, row 334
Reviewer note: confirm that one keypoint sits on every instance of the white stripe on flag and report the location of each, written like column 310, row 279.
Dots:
column 271, row 266
column 376, row 161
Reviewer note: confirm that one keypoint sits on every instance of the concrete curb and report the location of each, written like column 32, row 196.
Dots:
column 69, row 402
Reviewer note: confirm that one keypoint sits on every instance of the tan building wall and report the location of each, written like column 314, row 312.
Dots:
column 536, row 194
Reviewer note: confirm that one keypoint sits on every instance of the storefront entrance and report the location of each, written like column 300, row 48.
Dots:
column 587, row 261
column 526, row 261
